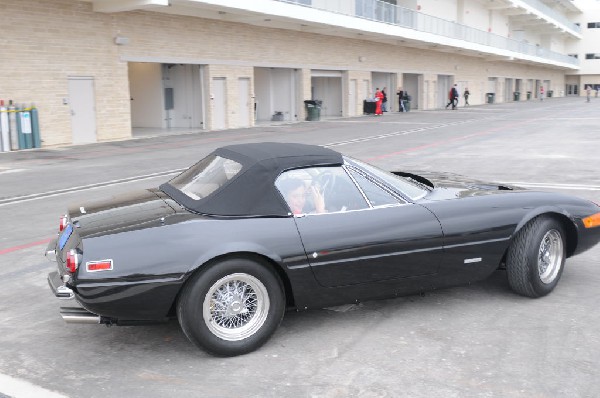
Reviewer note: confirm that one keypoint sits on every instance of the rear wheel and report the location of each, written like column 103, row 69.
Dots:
column 232, row 307
column 536, row 257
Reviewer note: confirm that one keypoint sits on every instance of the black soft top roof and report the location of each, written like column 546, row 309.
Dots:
column 252, row 191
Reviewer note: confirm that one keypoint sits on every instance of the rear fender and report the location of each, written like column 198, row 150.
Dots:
column 247, row 250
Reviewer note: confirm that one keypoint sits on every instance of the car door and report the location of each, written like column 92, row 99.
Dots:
column 377, row 240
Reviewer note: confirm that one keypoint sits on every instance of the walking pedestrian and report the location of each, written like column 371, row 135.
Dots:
column 450, row 100
column 541, row 93
column 379, row 97
column 384, row 101
column 588, row 91
column 400, row 94
column 453, row 97
column 466, row 96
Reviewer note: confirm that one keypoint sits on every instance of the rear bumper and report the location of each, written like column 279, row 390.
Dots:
column 59, row 286
column 63, row 292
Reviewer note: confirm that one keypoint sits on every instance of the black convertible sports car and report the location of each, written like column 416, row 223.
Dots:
column 253, row 229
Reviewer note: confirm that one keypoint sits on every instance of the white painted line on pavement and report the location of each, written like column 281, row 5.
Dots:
column 11, row 171
column 49, row 194
column 16, row 388
column 549, row 185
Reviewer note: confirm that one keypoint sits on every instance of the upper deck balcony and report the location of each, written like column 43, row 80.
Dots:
column 365, row 19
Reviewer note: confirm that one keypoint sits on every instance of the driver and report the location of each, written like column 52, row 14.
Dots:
column 295, row 193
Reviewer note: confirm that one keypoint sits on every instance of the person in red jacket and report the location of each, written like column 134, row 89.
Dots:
column 379, row 97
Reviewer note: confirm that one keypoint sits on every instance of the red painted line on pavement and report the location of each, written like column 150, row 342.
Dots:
column 25, row 246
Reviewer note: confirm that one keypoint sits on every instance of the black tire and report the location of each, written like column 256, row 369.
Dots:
column 536, row 257
column 238, row 322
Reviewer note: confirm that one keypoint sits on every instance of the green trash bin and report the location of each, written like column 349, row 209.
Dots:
column 313, row 110
column 516, row 96
column 528, row 95
column 407, row 100
column 550, row 92
column 490, row 97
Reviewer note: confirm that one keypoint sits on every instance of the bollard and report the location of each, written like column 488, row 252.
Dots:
column 24, row 125
column 12, row 121
column 35, row 127
column 4, row 127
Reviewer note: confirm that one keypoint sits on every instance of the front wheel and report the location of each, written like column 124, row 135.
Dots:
column 536, row 257
column 232, row 307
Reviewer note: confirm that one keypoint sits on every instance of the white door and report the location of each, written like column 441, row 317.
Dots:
column 443, row 89
column 352, row 97
column 219, row 103
column 83, row 109
column 244, row 97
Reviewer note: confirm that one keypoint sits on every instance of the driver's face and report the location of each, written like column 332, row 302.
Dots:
column 296, row 199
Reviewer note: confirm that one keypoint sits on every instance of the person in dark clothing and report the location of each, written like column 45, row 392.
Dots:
column 400, row 94
column 384, row 100
column 452, row 97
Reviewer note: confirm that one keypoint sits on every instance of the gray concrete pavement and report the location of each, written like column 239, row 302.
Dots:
column 478, row 340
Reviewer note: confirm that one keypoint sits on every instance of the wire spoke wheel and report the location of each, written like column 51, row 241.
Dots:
column 236, row 306
column 536, row 257
column 550, row 256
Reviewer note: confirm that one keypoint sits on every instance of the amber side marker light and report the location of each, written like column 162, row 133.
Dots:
column 592, row 221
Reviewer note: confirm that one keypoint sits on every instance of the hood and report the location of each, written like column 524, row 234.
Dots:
column 449, row 185
column 135, row 210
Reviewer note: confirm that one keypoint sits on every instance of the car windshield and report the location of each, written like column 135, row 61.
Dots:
column 206, row 176
column 412, row 190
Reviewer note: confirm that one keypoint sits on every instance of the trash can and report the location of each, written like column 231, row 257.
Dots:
column 407, row 100
column 528, row 95
column 313, row 110
column 550, row 92
column 369, row 107
column 516, row 96
column 490, row 97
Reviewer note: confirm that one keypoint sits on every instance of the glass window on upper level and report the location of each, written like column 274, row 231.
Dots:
column 573, row 55
column 593, row 25
column 592, row 56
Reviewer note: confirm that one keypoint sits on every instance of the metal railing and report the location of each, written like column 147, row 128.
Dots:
column 380, row 11
column 557, row 16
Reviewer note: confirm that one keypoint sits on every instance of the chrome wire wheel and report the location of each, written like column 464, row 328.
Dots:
column 236, row 307
column 550, row 256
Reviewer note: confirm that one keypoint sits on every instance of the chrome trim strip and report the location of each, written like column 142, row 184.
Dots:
column 378, row 256
column 483, row 242
column 51, row 255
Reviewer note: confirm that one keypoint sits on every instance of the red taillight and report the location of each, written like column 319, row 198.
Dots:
column 63, row 223
column 72, row 261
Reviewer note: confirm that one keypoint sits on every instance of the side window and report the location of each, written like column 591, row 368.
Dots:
column 320, row 190
column 376, row 195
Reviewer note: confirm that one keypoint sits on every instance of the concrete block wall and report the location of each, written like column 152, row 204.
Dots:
column 46, row 41
column 232, row 74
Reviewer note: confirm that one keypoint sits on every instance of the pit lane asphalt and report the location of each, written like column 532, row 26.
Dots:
column 477, row 340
